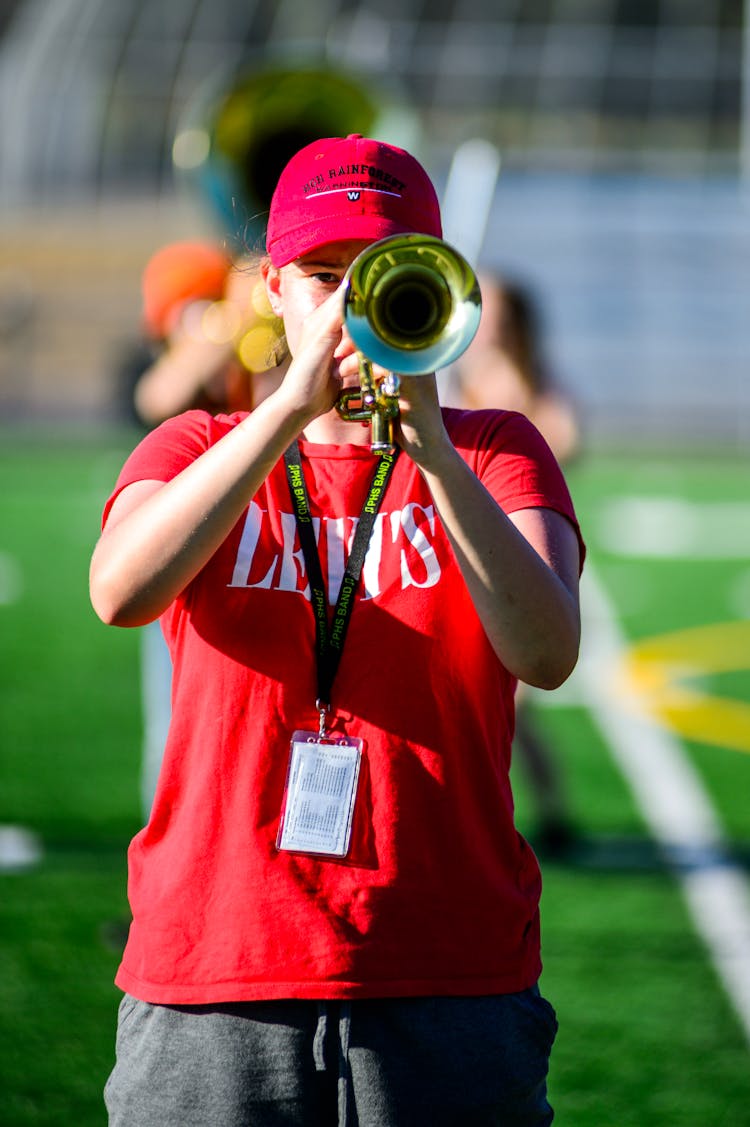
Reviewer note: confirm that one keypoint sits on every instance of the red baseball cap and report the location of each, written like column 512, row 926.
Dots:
column 348, row 188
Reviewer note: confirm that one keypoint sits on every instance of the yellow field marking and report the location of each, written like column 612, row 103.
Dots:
column 660, row 670
column 665, row 782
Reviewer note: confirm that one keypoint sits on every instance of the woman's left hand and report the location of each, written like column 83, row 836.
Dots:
column 420, row 431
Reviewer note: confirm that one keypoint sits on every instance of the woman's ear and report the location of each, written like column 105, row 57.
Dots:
column 272, row 281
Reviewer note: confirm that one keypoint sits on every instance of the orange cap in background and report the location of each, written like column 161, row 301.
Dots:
column 177, row 274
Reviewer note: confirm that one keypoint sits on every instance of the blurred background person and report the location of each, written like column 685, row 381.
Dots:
column 506, row 366
column 218, row 345
column 210, row 341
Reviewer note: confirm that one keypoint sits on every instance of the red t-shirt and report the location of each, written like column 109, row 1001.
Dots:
column 439, row 893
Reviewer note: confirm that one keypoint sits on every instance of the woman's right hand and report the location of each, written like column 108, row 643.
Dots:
column 324, row 360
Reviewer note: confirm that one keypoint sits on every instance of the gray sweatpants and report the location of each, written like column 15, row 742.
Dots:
column 405, row 1062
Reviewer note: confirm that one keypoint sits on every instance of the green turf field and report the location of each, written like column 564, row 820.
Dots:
column 647, row 1034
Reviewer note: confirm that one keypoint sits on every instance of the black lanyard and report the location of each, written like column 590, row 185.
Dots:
column 329, row 640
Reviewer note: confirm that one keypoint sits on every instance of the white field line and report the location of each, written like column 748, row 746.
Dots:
column 669, row 527
column 671, row 797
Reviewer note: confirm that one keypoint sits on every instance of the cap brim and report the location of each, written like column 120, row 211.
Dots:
column 296, row 243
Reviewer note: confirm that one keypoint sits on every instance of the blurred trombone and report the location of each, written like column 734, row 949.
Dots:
column 238, row 132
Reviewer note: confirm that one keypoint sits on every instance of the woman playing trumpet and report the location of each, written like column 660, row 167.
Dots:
column 334, row 918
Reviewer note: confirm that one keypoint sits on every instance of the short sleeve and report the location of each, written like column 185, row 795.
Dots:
column 169, row 449
column 513, row 461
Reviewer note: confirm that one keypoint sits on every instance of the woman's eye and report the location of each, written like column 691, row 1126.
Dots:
column 326, row 278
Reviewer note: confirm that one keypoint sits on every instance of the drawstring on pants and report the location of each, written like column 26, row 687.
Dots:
column 342, row 1031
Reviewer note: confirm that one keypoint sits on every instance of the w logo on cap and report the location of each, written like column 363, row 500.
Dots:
column 353, row 196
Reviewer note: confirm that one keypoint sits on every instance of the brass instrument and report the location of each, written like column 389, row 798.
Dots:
column 411, row 305
column 239, row 130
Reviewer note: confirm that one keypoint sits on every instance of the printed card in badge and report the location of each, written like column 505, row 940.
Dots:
column 320, row 795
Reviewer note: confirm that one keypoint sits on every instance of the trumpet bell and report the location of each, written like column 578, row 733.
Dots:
column 411, row 303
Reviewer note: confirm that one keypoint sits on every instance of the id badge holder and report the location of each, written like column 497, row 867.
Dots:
column 320, row 794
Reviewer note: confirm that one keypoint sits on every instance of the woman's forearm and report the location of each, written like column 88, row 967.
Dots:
column 160, row 535
column 521, row 572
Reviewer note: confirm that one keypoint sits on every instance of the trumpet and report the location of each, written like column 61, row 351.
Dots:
column 411, row 305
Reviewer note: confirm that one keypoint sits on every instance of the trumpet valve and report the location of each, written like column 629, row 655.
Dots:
column 355, row 405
